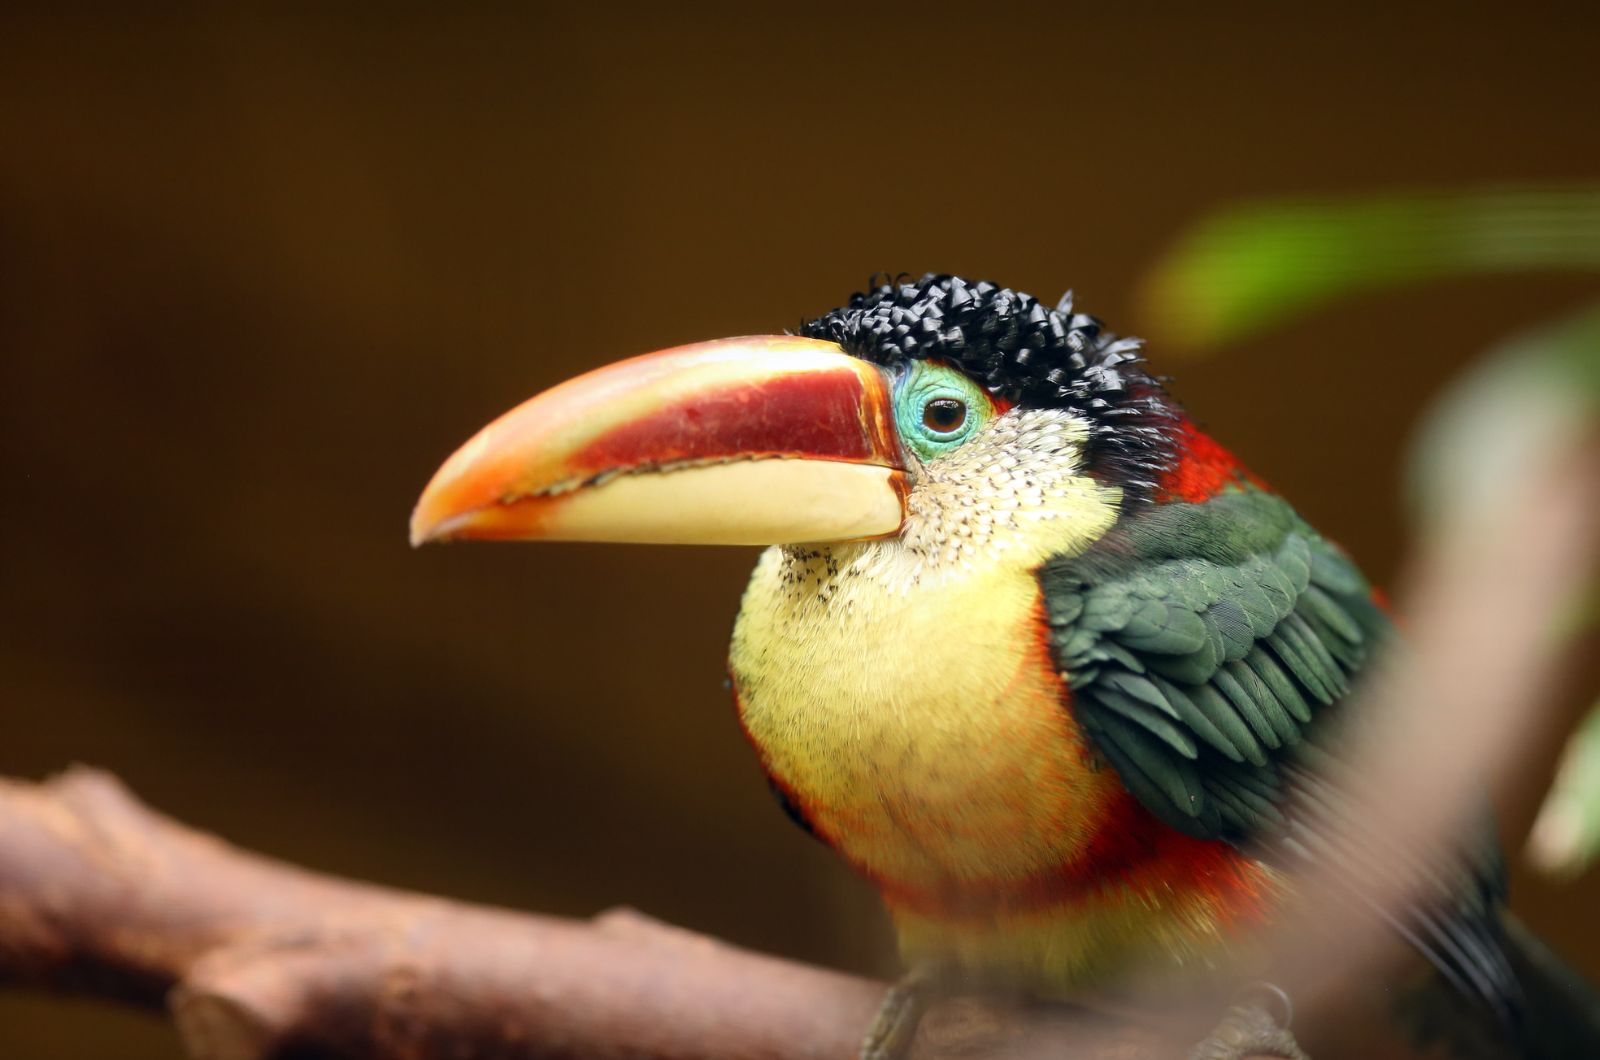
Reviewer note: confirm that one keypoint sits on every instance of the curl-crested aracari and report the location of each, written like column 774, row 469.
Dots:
column 1028, row 649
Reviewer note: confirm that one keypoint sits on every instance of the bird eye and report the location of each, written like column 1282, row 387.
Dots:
column 944, row 415
column 938, row 408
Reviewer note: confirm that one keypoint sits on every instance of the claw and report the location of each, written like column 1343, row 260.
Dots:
column 1256, row 1024
column 895, row 1026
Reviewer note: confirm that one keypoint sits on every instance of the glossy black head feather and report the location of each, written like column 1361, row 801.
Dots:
column 1025, row 353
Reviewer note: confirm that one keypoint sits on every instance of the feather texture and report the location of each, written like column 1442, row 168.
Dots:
column 1208, row 646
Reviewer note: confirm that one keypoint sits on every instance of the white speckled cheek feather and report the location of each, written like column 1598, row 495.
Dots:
column 1017, row 491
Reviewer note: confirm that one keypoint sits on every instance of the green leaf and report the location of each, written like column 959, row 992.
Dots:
column 1566, row 835
column 1533, row 397
column 1246, row 269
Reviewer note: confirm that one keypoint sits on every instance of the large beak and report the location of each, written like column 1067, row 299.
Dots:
column 753, row 441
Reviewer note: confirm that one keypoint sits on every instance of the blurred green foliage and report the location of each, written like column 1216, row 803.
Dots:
column 1536, row 395
column 1566, row 837
column 1244, row 269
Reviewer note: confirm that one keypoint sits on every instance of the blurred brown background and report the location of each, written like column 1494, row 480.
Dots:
column 259, row 274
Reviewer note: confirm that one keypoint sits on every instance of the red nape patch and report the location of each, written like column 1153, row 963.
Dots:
column 1203, row 470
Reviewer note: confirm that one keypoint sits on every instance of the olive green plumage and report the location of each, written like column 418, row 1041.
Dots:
column 1203, row 637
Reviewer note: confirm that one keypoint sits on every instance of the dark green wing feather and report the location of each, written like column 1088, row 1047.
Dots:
column 1207, row 648
column 1202, row 643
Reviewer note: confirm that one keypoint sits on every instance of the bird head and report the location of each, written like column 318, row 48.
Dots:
column 938, row 415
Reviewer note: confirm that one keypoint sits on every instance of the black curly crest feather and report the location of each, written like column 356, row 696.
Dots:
column 1022, row 352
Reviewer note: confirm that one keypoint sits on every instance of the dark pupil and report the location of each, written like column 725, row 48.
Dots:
column 944, row 415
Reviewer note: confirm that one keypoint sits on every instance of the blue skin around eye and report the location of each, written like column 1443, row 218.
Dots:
column 927, row 382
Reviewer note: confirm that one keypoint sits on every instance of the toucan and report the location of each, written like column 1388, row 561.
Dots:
column 1027, row 648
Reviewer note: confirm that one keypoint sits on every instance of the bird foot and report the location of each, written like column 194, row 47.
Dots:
column 1256, row 1024
column 894, row 1027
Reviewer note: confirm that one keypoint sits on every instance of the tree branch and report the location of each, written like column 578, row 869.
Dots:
column 254, row 959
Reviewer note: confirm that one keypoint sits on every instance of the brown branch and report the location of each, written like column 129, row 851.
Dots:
column 254, row 958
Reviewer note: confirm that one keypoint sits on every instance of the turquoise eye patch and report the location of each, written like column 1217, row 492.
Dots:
column 937, row 408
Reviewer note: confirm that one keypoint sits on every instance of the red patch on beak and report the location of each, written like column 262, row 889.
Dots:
column 823, row 416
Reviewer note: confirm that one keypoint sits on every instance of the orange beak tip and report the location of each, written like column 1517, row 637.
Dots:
column 422, row 533
column 741, row 441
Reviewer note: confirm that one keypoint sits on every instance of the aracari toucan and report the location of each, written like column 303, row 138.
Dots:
column 1028, row 650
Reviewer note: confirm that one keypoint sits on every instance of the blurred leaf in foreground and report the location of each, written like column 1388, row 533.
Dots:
column 1536, row 398
column 1566, row 835
column 1535, row 395
column 1245, row 269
